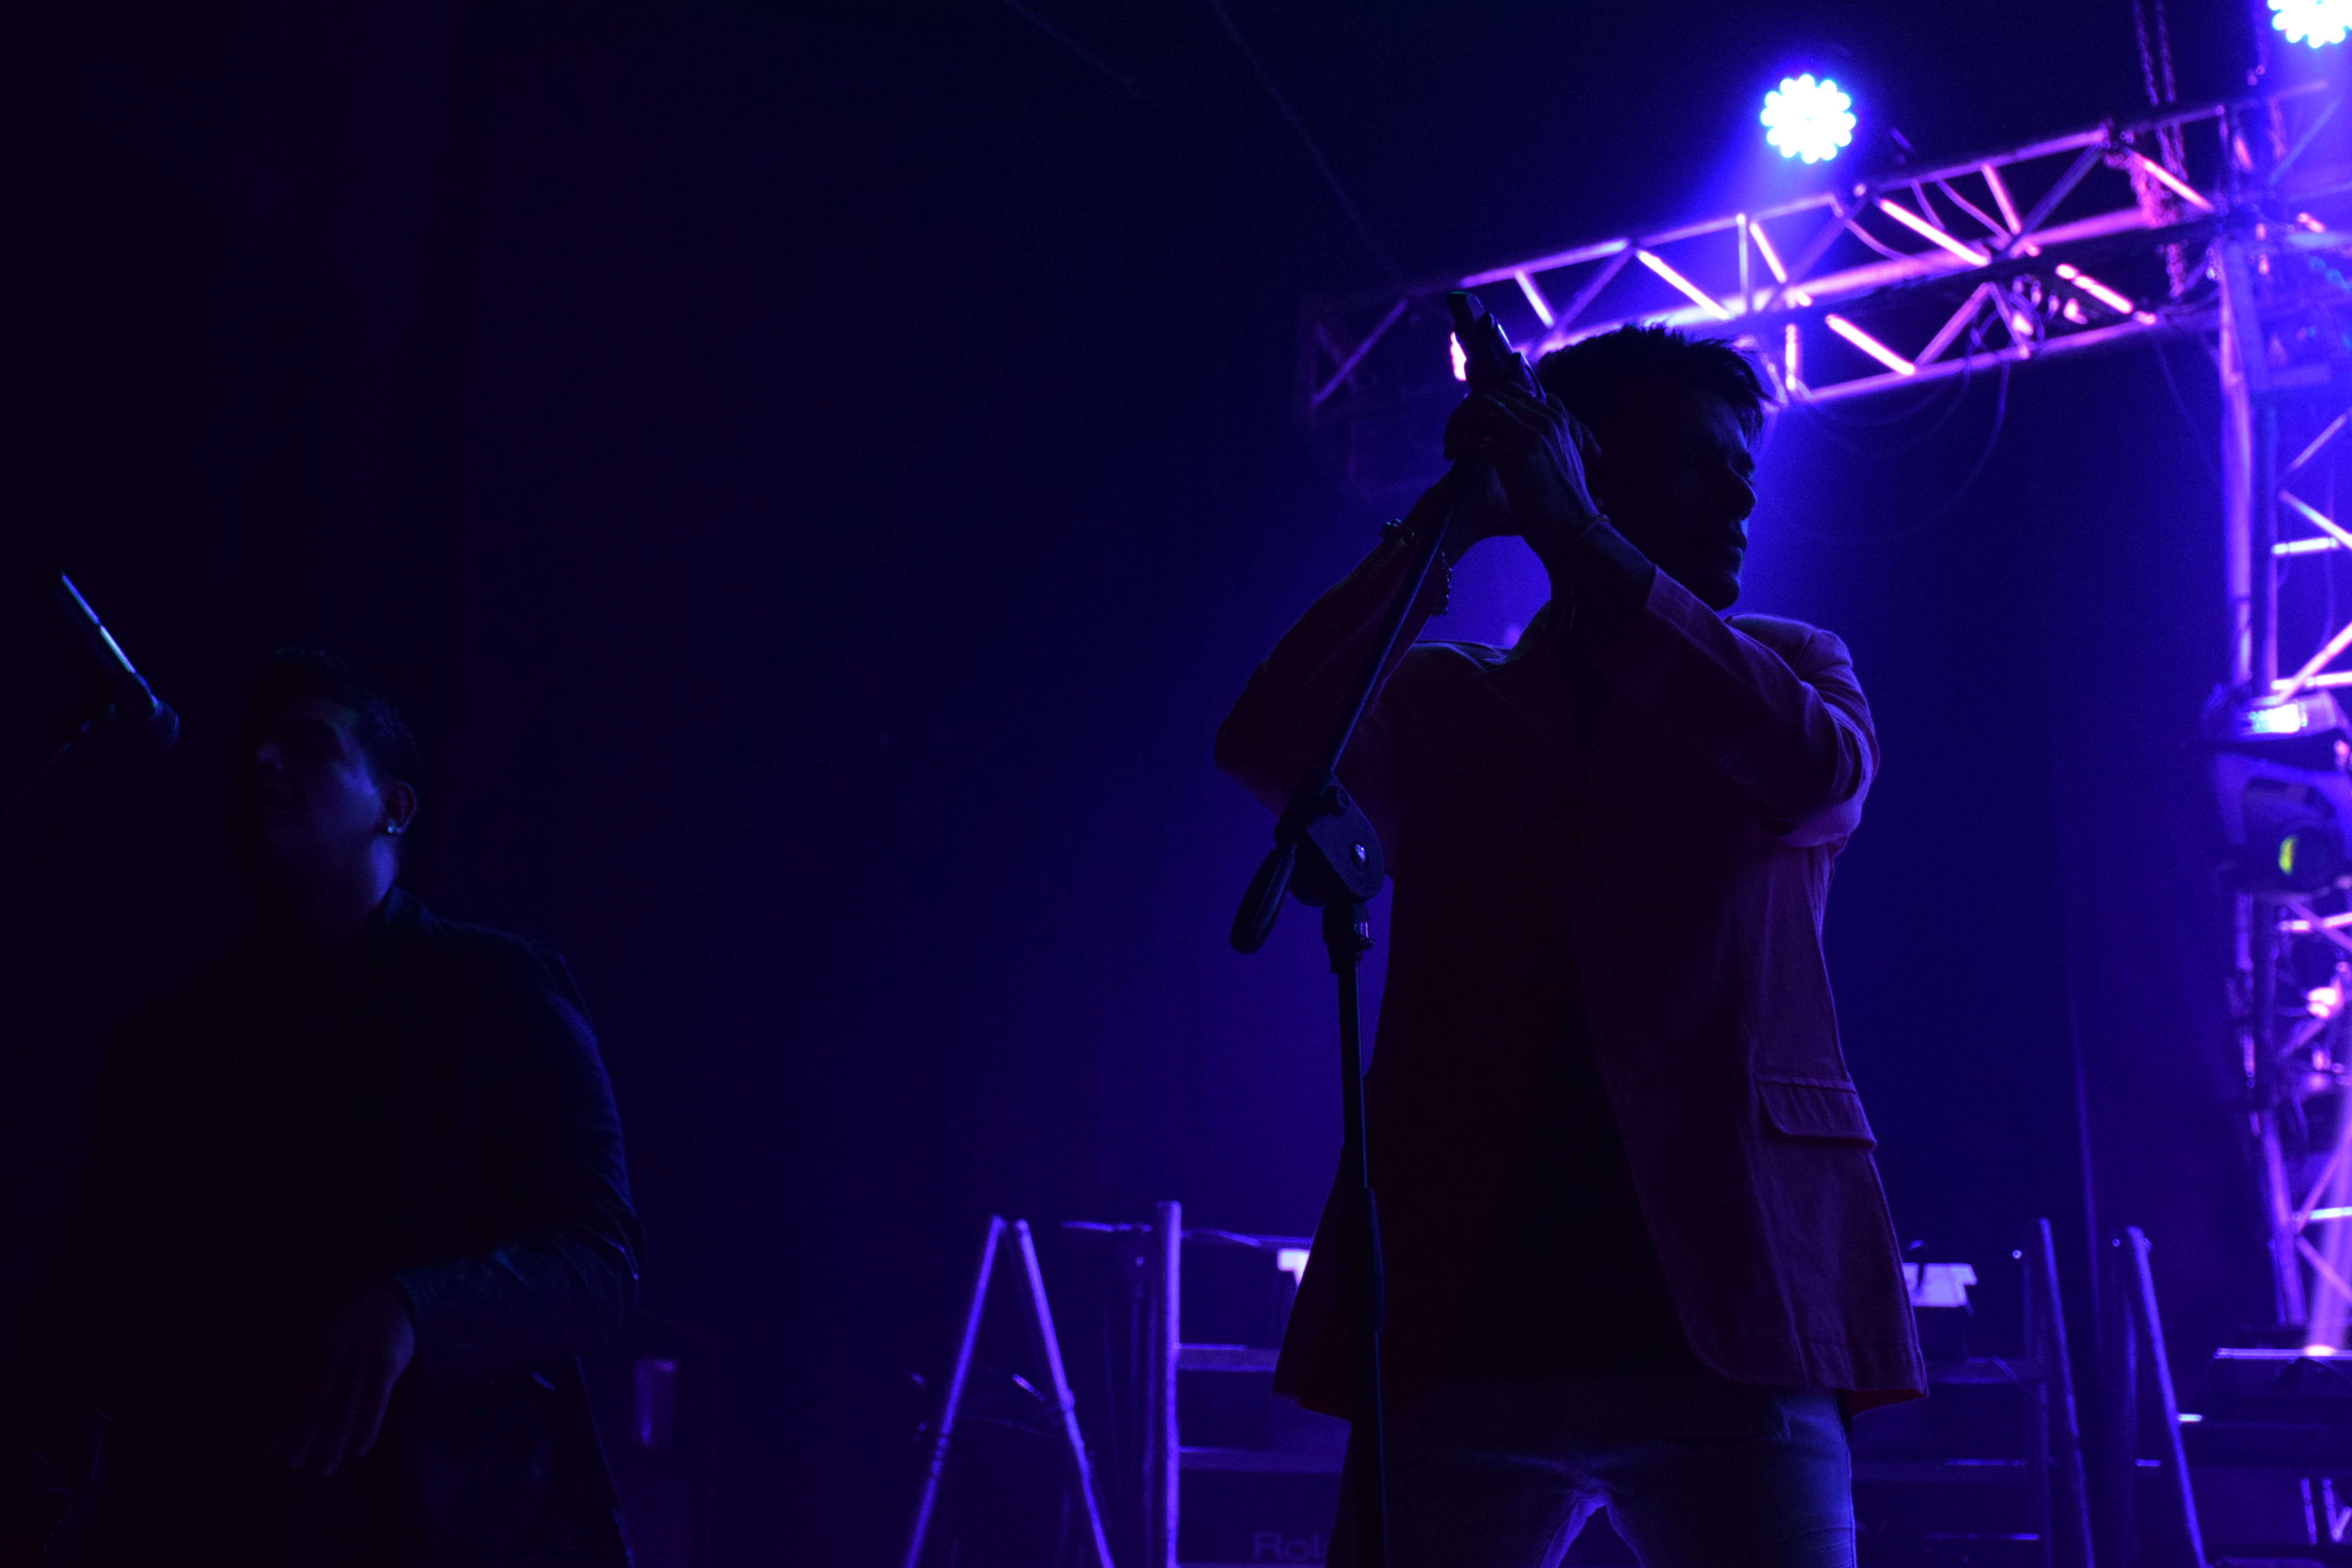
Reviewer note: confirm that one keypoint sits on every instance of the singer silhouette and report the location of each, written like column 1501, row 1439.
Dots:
column 1638, row 1254
column 360, row 1202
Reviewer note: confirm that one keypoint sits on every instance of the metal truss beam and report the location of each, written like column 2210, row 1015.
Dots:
column 2055, row 244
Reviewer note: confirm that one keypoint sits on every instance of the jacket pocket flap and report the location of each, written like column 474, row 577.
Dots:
column 1825, row 1110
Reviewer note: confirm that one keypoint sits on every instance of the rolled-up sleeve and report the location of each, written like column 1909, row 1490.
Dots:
column 1784, row 720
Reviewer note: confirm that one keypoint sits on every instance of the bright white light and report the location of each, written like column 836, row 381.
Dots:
column 1461, row 360
column 2183, row 188
column 1925, row 230
column 1939, row 1284
column 1811, row 120
column 2094, row 289
column 1690, row 290
column 2314, row 22
column 1292, row 1261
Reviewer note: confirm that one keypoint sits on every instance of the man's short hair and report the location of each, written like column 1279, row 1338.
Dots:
column 1597, row 377
column 295, row 674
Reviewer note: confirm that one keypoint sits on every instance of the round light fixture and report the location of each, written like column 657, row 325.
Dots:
column 1811, row 120
column 2318, row 23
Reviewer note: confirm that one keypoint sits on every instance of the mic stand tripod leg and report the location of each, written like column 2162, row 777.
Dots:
column 1347, row 933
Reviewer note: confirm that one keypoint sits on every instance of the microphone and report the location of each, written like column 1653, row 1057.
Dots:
column 1488, row 357
column 133, row 711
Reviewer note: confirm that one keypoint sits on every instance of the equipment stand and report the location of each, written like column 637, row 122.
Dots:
column 1163, row 1459
column 1078, row 1473
column 2065, row 1502
column 2134, row 1331
column 1327, row 855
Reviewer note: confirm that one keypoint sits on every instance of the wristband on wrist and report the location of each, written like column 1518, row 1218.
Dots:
column 1442, row 568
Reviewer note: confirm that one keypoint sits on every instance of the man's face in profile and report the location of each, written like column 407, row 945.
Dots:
column 1677, row 480
column 305, row 794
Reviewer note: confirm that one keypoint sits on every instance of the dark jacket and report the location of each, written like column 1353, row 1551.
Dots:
column 436, row 1116
column 1670, row 871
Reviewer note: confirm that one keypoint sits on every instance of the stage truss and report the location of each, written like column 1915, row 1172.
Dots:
column 2222, row 225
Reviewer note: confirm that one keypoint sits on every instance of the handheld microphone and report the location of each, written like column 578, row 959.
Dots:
column 133, row 711
column 1488, row 357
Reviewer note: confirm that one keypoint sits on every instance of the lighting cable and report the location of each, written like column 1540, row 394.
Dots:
column 1355, row 217
column 1127, row 83
column 2187, row 420
column 1959, row 491
column 1950, row 392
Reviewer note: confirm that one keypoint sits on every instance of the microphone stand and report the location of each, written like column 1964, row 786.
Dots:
column 131, row 711
column 1327, row 855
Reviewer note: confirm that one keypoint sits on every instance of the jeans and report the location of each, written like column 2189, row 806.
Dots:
column 1695, row 1471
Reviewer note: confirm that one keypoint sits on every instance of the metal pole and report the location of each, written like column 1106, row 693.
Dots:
column 2264, row 521
column 2073, row 1523
column 2169, row 1407
column 2121, row 1376
column 956, row 1380
column 1347, row 933
column 2249, row 526
column 1163, row 1317
column 1078, row 1469
column 2327, row 1319
column 2241, row 362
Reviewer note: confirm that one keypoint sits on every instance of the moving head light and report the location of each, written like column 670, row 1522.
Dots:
column 2280, row 783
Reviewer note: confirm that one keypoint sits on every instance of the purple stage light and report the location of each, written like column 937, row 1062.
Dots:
column 1870, row 345
column 2318, row 23
column 1811, row 119
column 1690, row 290
column 1929, row 232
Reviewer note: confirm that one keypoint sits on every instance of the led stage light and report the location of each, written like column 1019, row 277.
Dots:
column 1811, row 120
column 2314, row 22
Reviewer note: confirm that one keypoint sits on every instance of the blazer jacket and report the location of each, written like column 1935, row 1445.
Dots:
column 1678, row 859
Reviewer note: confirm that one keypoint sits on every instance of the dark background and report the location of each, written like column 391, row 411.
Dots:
column 815, row 478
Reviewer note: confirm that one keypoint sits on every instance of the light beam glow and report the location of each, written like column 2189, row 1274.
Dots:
column 2318, row 23
column 1870, row 345
column 1690, row 290
column 1811, row 120
column 1925, row 230
column 2094, row 289
column 2183, row 188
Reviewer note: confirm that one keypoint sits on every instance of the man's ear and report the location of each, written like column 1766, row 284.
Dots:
column 399, row 808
